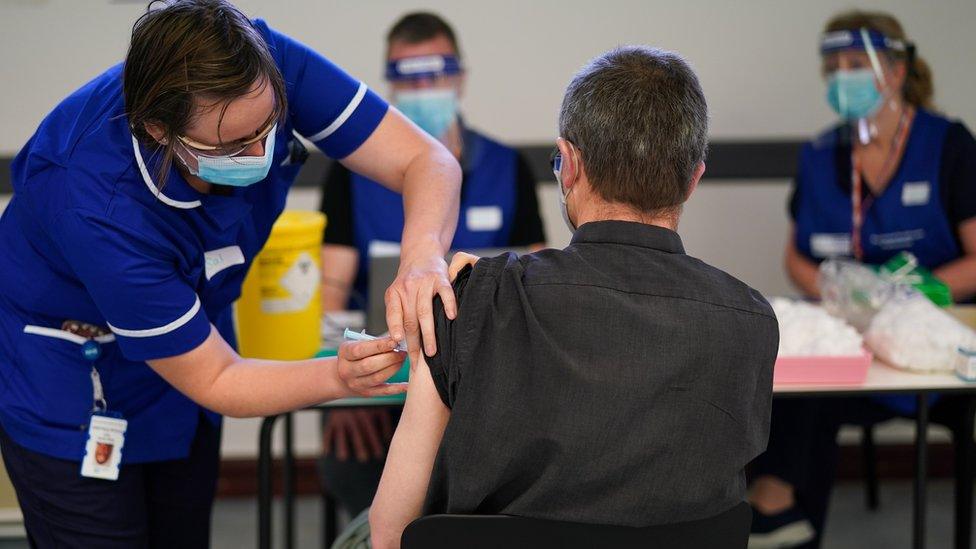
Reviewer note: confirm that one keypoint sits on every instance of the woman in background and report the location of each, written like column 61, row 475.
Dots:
column 893, row 176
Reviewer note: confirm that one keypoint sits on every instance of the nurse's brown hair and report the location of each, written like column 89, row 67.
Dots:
column 182, row 50
column 918, row 88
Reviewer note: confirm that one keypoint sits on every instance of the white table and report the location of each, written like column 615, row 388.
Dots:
column 885, row 380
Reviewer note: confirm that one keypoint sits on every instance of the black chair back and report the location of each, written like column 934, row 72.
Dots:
column 729, row 530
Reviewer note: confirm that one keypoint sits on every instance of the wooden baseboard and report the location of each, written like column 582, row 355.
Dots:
column 896, row 461
column 238, row 477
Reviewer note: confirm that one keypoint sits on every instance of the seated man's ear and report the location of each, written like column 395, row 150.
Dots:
column 695, row 178
column 569, row 173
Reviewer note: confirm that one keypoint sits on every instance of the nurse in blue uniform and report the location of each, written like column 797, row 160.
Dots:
column 139, row 204
column 893, row 176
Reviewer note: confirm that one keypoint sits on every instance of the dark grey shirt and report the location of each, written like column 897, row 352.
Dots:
column 617, row 381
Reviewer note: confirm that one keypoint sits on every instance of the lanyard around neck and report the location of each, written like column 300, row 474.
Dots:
column 860, row 206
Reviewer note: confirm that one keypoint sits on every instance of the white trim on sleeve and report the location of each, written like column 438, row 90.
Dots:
column 67, row 336
column 343, row 116
column 153, row 332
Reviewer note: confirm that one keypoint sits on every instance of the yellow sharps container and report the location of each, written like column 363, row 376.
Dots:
column 278, row 314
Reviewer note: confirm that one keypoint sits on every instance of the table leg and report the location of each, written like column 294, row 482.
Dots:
column 329, row 533
column 264, row 482
column 963, row 439
column 329, row 520
column 921, row 470
column 289, row 483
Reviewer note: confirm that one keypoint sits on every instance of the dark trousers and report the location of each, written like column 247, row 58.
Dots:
column 164, row 504
column 353, row 483
column 802, row 447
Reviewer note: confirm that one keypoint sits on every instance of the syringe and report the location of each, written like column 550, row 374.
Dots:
column 363, row 336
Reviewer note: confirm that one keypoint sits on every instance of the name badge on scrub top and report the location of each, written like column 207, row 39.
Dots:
column 916, row 193
column 220, row 259
column 484, row 218
column 830, row 244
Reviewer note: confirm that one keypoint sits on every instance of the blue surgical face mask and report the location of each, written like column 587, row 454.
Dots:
column 432, row 109
column 853, row 94
column 236, row 171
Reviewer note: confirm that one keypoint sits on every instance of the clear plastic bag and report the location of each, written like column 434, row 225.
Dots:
column 911, row 332
column 856, row 293
column 900, row 325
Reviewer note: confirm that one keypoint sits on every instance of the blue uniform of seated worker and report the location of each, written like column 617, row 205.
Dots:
column 499, row 207
column 618, row 381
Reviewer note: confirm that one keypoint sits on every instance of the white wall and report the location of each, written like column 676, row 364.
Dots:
column 757, row 58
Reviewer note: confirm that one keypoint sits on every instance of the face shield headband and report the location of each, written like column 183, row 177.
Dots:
column 426, row 66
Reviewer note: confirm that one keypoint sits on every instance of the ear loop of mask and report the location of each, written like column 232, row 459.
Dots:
column 564, row 194
column 572, row 149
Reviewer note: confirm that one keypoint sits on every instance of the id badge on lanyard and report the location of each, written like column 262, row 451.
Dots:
column 106, row 429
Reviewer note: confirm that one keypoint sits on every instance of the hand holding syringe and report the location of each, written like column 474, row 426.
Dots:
column 363, row 336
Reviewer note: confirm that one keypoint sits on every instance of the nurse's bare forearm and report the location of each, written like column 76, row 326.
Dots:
column 215, row 377
column 960, row 276
column 252, row 388
column 431, row 191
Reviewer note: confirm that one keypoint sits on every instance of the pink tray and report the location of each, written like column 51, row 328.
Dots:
column 822, row 370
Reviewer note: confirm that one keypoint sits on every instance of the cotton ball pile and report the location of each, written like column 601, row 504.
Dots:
column 808, row 330
column 916, row 335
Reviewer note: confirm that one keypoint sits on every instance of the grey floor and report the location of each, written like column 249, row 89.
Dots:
column 850, row 524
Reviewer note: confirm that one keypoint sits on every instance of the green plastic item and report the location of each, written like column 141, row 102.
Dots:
column 402, row 376
column 904, row 266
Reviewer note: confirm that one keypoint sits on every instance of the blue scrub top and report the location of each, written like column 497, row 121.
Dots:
column 90, row 236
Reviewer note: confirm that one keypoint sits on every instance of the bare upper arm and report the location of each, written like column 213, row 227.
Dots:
column 424, row 410
column 398, row 142
column 402, row 490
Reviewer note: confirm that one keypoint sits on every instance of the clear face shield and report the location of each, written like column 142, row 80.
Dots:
column 425, row 90
column 858, row 94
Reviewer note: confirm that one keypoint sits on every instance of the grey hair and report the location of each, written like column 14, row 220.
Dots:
column 638, row 116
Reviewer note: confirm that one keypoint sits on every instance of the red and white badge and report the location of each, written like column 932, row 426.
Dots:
column 103, row 451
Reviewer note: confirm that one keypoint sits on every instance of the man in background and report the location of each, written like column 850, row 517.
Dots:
column 499, row 209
